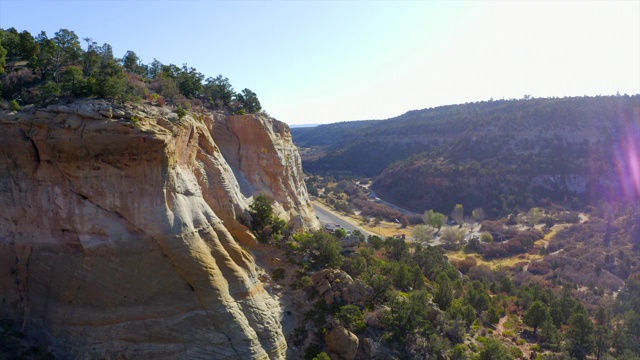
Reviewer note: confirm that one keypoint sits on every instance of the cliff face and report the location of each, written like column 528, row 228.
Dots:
column 118, row 230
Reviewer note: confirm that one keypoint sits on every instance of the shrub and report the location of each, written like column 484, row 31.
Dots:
column 539, row 267
column 278, row 274
column 351, row 318
column 486, row 237
column 263, row 222
column 14, row 105
column 181, row 112
column 466, row 264
column 303, row 282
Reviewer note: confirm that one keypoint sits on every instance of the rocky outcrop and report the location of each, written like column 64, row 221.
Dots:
column 342, row 343
column 120, row 231
column 338, row 286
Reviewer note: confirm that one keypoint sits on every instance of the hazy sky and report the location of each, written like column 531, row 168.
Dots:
column 329, row 61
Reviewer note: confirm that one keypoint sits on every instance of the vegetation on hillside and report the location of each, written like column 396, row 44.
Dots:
column 407, row 301
column 43, row 70
column 498, row 155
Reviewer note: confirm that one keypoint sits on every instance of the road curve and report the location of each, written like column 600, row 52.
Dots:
column 327, row 216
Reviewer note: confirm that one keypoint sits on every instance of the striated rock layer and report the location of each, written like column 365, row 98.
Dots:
column 118, row 229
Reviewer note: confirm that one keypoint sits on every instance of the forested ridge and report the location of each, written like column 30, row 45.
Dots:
column 492, row 154
column 43, row 70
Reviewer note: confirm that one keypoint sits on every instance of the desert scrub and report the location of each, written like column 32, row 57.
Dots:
column 181, row 112
column 14, row 105
column 278, row 274
column 136, row 121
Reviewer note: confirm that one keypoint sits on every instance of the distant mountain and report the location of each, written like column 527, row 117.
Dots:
column 326, row 134
column 499, row 155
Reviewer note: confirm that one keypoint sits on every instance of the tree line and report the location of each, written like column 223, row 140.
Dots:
column 43, row 70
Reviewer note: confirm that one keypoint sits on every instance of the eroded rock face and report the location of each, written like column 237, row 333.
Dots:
column 117, row 228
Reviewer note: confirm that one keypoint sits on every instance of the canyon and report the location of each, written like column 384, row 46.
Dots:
column 122, row 229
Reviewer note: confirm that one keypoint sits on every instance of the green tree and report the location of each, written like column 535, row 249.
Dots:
column 407, row 316
column 249, row 101
column 351, row 317
column 48, row 93
column 602, row 341
column 536, row 315
column 189, row 82
column 340, row 233
column 27, row 46
column 42, row 63
column 549, row 333
column 580, row 334
column 110, row 80
column 477, row 297
column 444, row 294
column 457, row 214
column 131, row 62
column 72, row 82
column 494, row 350
column 562, row 307
column 68, row 51
column 263, row 222
column 322, row 250
column 628, row 336
column 458, row 352
column 261, row 212
column 91, row 58
column 397, row 249
column 219, row 91
column 10, row 39
column 435, row 219
column 461, row 311
column 3, row 59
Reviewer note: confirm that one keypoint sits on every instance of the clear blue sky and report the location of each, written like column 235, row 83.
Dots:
column 329, row 61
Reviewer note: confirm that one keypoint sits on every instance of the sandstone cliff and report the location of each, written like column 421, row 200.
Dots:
column 119, row 230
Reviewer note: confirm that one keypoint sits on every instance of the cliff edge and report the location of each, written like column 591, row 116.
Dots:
column 121, row 225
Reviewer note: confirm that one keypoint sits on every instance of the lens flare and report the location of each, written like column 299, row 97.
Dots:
column 628, row 159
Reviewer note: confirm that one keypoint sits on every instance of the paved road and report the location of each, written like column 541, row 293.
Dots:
column 404, row 211
column 327, row 217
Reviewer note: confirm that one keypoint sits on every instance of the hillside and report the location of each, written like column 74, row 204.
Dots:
column 327, row 134
column 493, row 154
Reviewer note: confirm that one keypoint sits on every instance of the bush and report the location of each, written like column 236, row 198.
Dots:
column 321, row 249
column 486, row 237
column 14, row 105
column 351, row 318
column 181, row 112
column 265, row 225
column 278, row 274
column 539, row 267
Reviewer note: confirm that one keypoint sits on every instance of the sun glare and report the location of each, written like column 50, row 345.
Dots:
column 628, row 158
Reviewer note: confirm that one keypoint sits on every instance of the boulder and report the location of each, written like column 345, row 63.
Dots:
column 337, row 286
column 342, row 343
